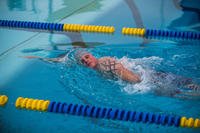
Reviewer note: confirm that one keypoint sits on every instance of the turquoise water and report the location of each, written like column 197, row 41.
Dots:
column 71, row 82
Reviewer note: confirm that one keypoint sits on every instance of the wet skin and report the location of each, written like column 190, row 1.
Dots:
column 109, row 65
column 89, row 60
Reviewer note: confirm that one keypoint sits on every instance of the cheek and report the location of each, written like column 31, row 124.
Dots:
column 93, row 59
column 92, row 65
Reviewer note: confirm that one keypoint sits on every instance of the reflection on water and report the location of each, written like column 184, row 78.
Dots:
column 33, row 6
column 136, row 16
column 60, row 13
column 191, row 11
column 19, row 5
column 135, row 13
column 92, row 7
column 66, row 6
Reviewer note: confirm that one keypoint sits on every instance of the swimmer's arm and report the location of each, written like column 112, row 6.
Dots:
column 127, row 75
column 44, row 59
column 122, row 72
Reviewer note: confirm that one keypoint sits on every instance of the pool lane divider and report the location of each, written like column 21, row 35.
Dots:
column 106, row 113
column 57, row 26
column 3, row 100
column 165, row 34
column 142, row 32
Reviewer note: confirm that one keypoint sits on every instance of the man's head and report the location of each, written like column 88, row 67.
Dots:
column 88, row 60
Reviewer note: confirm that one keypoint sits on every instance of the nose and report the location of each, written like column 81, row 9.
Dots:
column 85, row 60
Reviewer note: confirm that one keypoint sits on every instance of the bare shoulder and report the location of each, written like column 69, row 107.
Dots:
column 110, row 61
column 107, row 58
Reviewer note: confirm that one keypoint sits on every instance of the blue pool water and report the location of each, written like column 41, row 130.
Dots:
column 72, row 83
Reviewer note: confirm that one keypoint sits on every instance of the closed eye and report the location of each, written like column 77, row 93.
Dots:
column 87, row 56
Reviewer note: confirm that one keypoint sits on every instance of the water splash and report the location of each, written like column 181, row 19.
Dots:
column 143, row 67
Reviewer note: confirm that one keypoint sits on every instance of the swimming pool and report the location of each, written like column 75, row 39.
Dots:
column 71, row 82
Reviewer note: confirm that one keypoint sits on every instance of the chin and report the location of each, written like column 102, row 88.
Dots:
column 92, row 65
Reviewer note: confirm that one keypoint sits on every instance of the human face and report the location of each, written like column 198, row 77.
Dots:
column 89, row 60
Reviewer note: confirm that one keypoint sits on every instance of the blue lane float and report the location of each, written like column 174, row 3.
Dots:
column 161, row 34
column 114, row 114
column 188, row 35
column 106, row 113
column 32, row 25
column 122, row 115
column 142, row 32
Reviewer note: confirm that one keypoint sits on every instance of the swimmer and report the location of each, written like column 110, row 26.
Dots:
column 106, row 65
column 110, row 67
